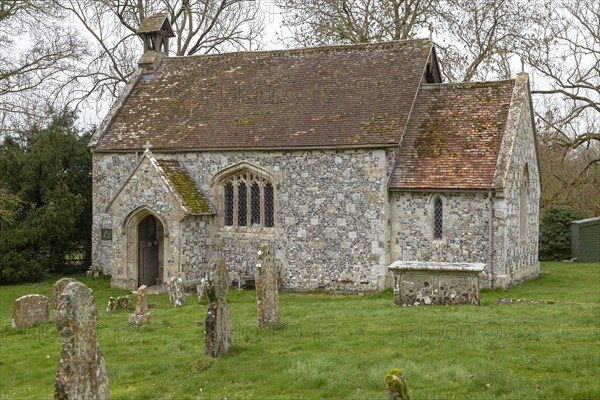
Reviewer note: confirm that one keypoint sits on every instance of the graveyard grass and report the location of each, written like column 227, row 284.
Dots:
column 336, row 346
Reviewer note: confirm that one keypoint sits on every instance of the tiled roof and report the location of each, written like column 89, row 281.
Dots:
column 454, row 137
column 189, row 193
column 153, row 23
column 341, row 96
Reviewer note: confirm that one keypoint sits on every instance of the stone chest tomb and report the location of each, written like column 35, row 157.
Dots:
column 435, row 283
column 344, row 159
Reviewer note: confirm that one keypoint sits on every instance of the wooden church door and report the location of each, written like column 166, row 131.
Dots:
column 148, row 252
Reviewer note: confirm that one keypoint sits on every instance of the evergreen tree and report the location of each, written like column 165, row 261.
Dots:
column 555, row 233
column 50, row 174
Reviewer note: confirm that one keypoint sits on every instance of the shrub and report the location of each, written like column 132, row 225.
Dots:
column 555, row 233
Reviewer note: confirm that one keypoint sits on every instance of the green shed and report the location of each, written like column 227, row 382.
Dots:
column 585, row 240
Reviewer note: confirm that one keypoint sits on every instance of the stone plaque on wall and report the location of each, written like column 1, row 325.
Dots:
column 106, row 234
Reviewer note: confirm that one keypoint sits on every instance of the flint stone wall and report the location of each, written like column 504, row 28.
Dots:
column 331, row 217
column 516, row 255
column 430, row 283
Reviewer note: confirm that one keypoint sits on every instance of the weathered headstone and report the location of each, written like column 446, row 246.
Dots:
column 95, row 271
column 81, row 372
column 200, row 289
column 30, row 310
column 58, row 288
column 176, row 291
column 141, row 316
column 217, row 326
column 267, row 295
column 121, row 302
column 395, row 384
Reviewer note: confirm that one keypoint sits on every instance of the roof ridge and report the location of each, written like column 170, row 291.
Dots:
column 470, row 84
column 312, row 49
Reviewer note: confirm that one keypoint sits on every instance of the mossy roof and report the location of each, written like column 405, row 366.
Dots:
column 337, row 96
column 189, row 193
column 454, row 137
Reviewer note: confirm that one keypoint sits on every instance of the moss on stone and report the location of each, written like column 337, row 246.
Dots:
column 396, row 385
column 185, row 186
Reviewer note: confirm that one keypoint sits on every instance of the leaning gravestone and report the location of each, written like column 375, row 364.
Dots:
column 58, row 288
column 141, row 315
column 395, row 383
column 81, row 372
column 176, row 291
column 30, row 310
column 267, row 296
column 217, row 326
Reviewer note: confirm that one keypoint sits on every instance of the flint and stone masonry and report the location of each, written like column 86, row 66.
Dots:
column 360, row 144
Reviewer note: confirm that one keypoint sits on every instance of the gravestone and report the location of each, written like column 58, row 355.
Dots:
column 217, row 326
column 176, row 291
column 141, row 316
column 200, row 289
column 58, row 288
column 395, row 383
column 267, row 296
column 116, row 303
column 30, row 310
column 81, row 372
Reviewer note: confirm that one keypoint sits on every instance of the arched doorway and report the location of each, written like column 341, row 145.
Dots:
column 150, row 234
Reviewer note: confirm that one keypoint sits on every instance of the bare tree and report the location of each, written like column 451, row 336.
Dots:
column 76, row 53
column 566, row 54
column 200, row 26
column 327, row 22
column 34, row 72
column 478, row 39
column 569, row 177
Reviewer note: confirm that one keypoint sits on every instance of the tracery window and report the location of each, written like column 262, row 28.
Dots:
column 438, row 215
column 248, row 200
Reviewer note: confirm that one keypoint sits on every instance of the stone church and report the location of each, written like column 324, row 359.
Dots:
column 343, row 158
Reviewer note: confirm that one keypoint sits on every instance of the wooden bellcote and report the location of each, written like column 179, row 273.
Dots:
column 155, row 31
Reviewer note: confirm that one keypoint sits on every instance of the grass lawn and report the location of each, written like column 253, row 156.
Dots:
column 336, row 346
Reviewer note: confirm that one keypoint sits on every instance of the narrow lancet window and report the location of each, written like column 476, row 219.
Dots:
column 438, row 214
column 228, row 204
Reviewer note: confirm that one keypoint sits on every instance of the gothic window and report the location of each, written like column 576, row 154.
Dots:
column 438, row 214
column 248, row 200
column 523, row 204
